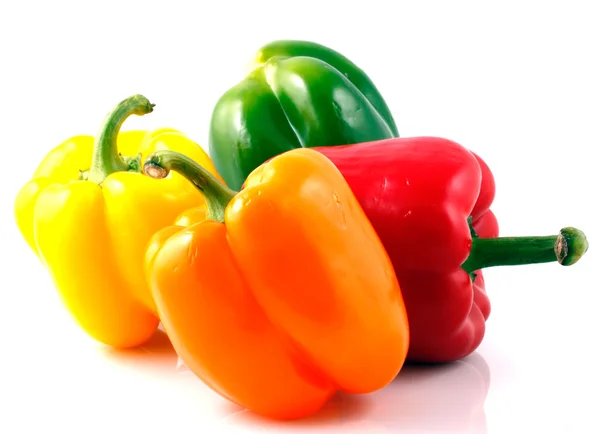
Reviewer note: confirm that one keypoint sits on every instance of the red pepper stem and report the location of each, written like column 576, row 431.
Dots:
column 217, row 194
column 566, row 248
column 106, row 158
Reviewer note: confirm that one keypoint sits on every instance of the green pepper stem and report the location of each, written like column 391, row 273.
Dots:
column 566, row 248
column 217, row 194
column 106, row 158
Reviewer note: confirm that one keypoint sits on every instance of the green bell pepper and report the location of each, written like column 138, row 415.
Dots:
column 296, row 94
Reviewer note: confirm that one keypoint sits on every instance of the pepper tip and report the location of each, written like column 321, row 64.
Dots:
column 571, row 244
column 155, row 171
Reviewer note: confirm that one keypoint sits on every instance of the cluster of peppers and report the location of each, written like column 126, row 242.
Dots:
column 311, row 250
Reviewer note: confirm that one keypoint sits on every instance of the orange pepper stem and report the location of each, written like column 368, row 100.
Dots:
column 106, row 158
column 217, row 195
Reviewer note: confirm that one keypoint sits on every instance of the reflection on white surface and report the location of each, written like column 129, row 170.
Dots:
column 423, row 399
column 444, row 398
column 157, row 355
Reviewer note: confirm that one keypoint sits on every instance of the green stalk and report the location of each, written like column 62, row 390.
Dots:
column 106, row 158
column 566, row 248
column 217, row 195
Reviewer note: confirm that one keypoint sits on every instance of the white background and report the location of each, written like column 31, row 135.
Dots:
column 517, row 82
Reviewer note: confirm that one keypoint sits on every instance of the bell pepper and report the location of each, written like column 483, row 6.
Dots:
column 295, row 94
column 281, row 294
column 86, row 214
column 428, row 198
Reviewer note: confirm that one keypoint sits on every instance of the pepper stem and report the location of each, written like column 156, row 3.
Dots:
column 217, row 195
column 106, row 158
column 566, row 248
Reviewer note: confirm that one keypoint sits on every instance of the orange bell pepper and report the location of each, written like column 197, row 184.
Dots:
column 279, row 295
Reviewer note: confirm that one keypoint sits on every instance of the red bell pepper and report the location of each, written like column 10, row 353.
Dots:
column 428, row 199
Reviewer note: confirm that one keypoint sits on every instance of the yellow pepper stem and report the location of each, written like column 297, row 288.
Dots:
column 106, row 158
column 217, row 195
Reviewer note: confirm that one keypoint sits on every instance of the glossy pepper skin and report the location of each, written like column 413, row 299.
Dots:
column 296, row 94
column 282, row 294
column 85, row 213
column 420, row 195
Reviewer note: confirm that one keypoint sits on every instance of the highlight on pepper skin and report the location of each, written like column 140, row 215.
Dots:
column 88, row 213
column 292, row 275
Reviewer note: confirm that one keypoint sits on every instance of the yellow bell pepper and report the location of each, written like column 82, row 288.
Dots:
column 88, row 213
